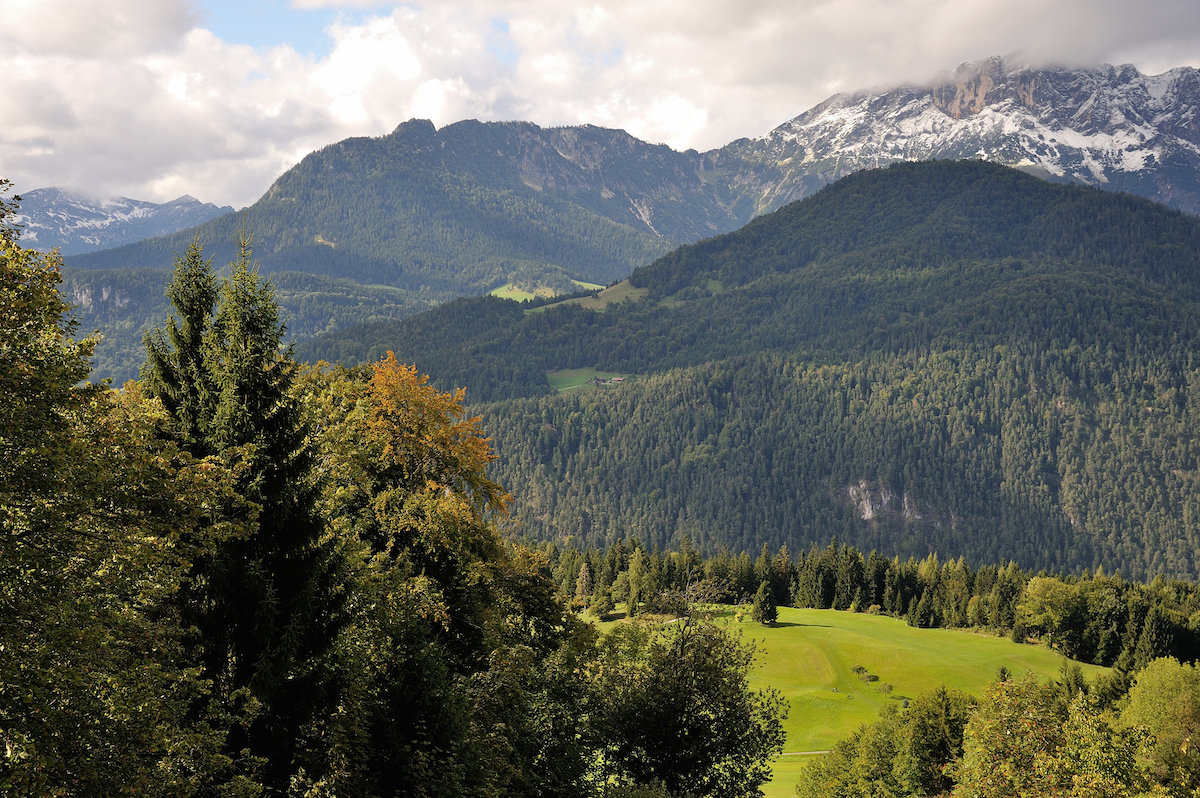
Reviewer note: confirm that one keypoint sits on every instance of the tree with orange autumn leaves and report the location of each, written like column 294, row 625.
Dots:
column 452, row 630
column 466, row 673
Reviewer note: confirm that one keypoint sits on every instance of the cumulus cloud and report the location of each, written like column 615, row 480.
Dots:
column 113, row 29
column 136, row 97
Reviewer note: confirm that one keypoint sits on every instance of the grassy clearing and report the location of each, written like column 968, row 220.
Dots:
column 571, row 379
column 620, row 292
column 518, row 294
column 510, row 291
column 382, row 287
column 810, row 656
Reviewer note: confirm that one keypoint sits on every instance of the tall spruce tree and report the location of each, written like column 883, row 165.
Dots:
column 175, row 369
column 264, row 604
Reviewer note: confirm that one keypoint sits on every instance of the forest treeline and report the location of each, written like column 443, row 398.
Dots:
column 241, row 577
column 1097, row 618
column 1053, row 459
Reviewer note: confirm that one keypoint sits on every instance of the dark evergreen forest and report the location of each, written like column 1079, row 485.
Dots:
column 991, row 454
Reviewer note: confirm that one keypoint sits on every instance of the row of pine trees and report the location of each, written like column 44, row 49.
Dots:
column 1092, row 617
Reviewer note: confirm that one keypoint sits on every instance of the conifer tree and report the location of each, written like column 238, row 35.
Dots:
column 583, row 585
column 764, row 609
column 263, row 603
column 175, row 369
column 1154, row 640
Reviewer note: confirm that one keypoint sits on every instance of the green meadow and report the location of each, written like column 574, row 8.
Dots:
column 519, row 294
column 811, row 657
column 614, row 294
column 568, row 379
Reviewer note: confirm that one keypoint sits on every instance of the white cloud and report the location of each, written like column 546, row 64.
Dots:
column 366, row 56
column 131, row 97
column 112, row 29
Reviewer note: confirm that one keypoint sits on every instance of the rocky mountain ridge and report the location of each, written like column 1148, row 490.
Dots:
column 1106, row 126
column 555, row 200
column 74, row 224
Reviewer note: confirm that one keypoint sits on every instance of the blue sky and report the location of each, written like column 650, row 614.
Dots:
column 268, row 23
column 152, row 99
column 265, row 23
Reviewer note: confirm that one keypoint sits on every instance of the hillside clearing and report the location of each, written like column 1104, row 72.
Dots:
column 811, row 656
column 571, row 379
column 521, row 294
column 612, row 295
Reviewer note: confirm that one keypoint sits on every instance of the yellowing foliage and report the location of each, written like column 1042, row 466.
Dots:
column 424, row 440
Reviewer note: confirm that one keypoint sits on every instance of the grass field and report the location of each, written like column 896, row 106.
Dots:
column 810, row 657
column 511, row 291
column 381, row 287
column 611, row 295
column 570, row 379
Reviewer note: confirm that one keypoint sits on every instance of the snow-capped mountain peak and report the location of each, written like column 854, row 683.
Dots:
column 1108, row 125
column 53, row 218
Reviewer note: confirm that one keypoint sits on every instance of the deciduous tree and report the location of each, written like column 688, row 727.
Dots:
column 1165, row 700
column 95, row 690
column 677, row 710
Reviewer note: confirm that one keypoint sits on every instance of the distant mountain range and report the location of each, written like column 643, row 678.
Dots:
column 52, row 218
column 473, row 207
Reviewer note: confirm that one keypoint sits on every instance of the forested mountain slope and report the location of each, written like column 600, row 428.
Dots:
column 465, row 209
column 909, row 257
column 428, row 215
column 942, row 356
